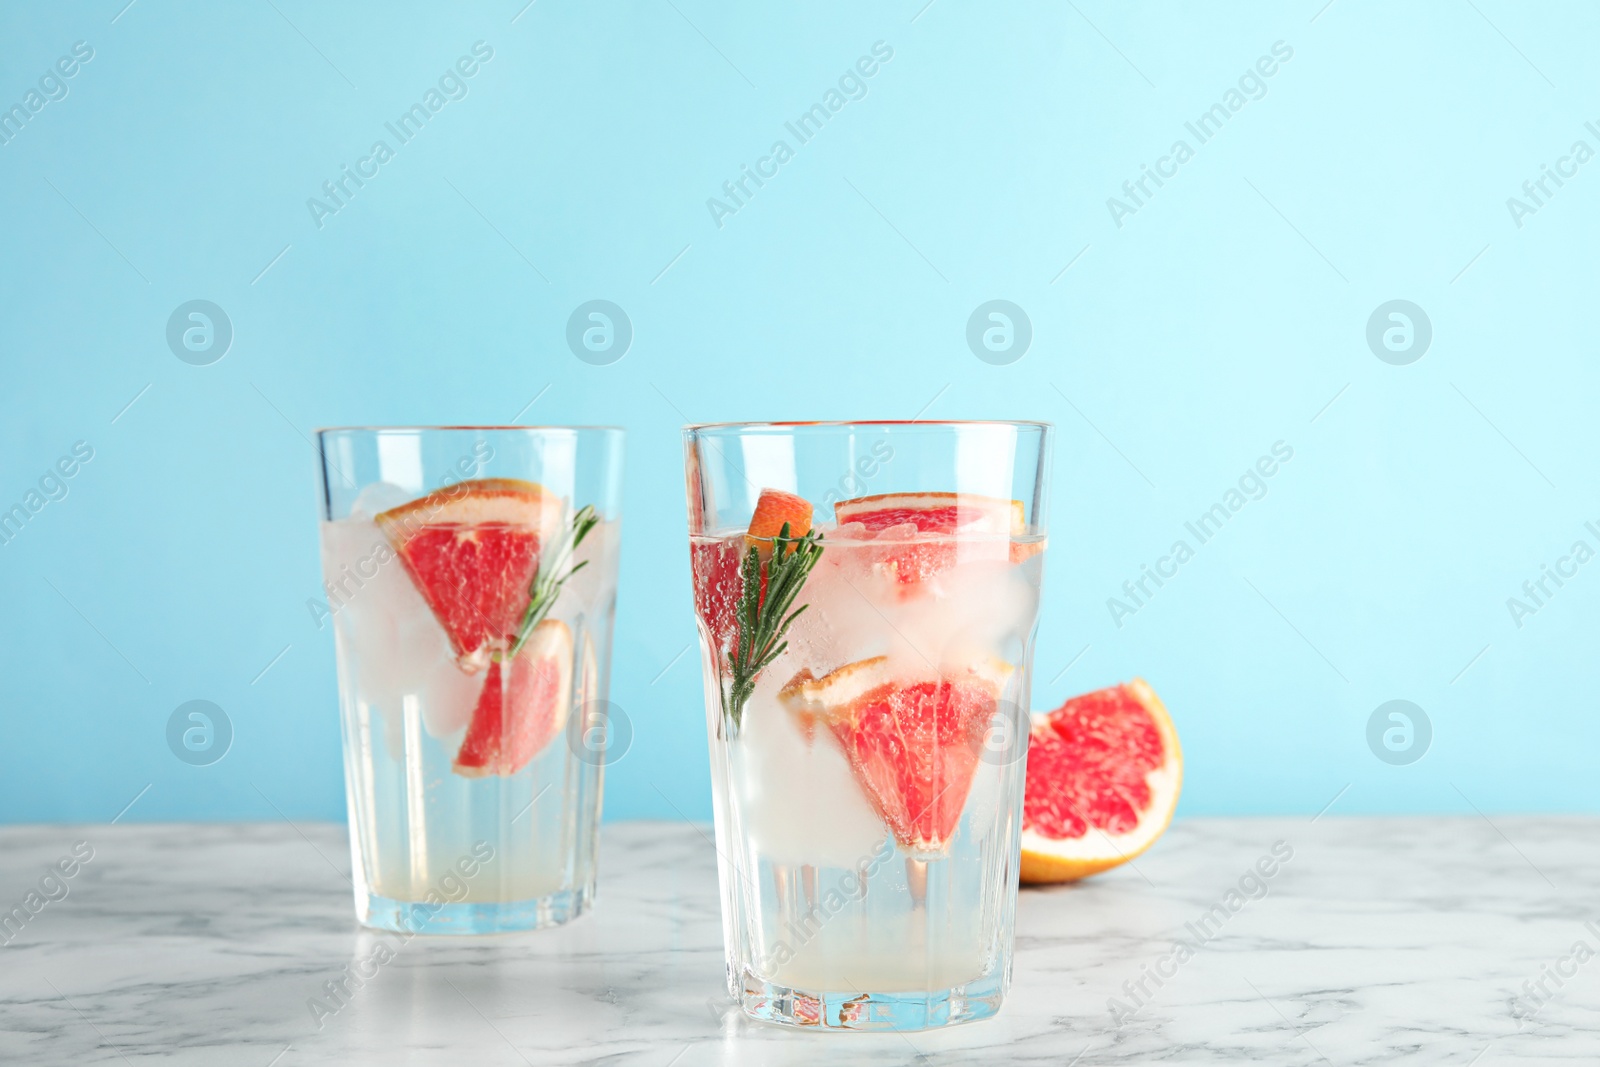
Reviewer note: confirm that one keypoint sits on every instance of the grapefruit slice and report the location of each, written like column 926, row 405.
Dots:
column 472, row 550
column 933, row 512
column 1104, row 772
column 939, row 528
column 524, row 704
column 912, row 741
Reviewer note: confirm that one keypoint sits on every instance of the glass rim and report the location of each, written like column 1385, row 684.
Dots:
column 700, row 427
column 581, row 428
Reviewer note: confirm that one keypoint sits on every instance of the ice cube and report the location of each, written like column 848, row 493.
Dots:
column 378, row 497
column 993, row 601
column 590, row 590
column 799, row 799
column 904, row 531
column 449, row 695
column 393, row 646
column 839, row 624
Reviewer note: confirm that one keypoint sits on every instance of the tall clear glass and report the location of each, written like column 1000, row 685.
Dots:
column 470, row 580
column 867, row 753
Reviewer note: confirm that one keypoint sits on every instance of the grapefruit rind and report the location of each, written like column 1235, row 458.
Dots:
column 1022, row 551
column 1048, row 859
column 840, row 688
column 480, row 500
column 774, row 508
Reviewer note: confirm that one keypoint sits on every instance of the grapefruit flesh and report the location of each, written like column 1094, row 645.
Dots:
column 472, row 550
column 933, row 512
column 939, row 529
column 523, row 705
column 715, row 569
column 911, row 742
column 1104, row 772
column 714, row 564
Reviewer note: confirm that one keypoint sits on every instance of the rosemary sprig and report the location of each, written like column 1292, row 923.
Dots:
column 763, row 622
column 552, row 573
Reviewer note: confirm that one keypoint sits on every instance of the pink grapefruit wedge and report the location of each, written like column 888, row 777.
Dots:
column 936, row 529
column 472, row 550
column 912, row 740
column 1104, row 772
column 524, row 704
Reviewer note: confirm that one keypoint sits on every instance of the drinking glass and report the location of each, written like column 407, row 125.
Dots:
column 470, row 580
column 866, row 694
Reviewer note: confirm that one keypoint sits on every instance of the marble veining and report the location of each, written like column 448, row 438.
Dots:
column 1396, row 941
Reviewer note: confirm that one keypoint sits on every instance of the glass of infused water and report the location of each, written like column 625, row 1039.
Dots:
column 866, row 597
column 470, row 579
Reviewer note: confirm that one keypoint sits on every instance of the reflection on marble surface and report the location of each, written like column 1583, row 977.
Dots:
column 1377, row 940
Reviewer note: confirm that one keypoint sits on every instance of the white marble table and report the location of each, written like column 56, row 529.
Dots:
column 1380, row 940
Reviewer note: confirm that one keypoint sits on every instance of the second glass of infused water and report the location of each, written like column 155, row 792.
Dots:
column 866, row 595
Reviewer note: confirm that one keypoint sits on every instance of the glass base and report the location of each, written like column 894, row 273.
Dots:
column 410, row 917
column 855, row 1010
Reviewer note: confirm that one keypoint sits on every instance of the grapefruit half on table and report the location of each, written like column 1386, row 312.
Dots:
column 1104, row 772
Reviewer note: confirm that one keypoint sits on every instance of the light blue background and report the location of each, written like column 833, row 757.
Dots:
column 1229, row 313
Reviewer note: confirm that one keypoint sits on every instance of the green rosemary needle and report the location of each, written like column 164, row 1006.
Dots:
column 763, row 621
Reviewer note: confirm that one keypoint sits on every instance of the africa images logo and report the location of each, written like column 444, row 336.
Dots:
column 52, row 88
column 1251, row 485
column 1537, row 192
column 1252, row 85
column 599, row 332
column 50, row 889
column 999, row 332
column 52, row 486
column 199, row 733
column 451, row 86
column 199, row 332
column 852, row 85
